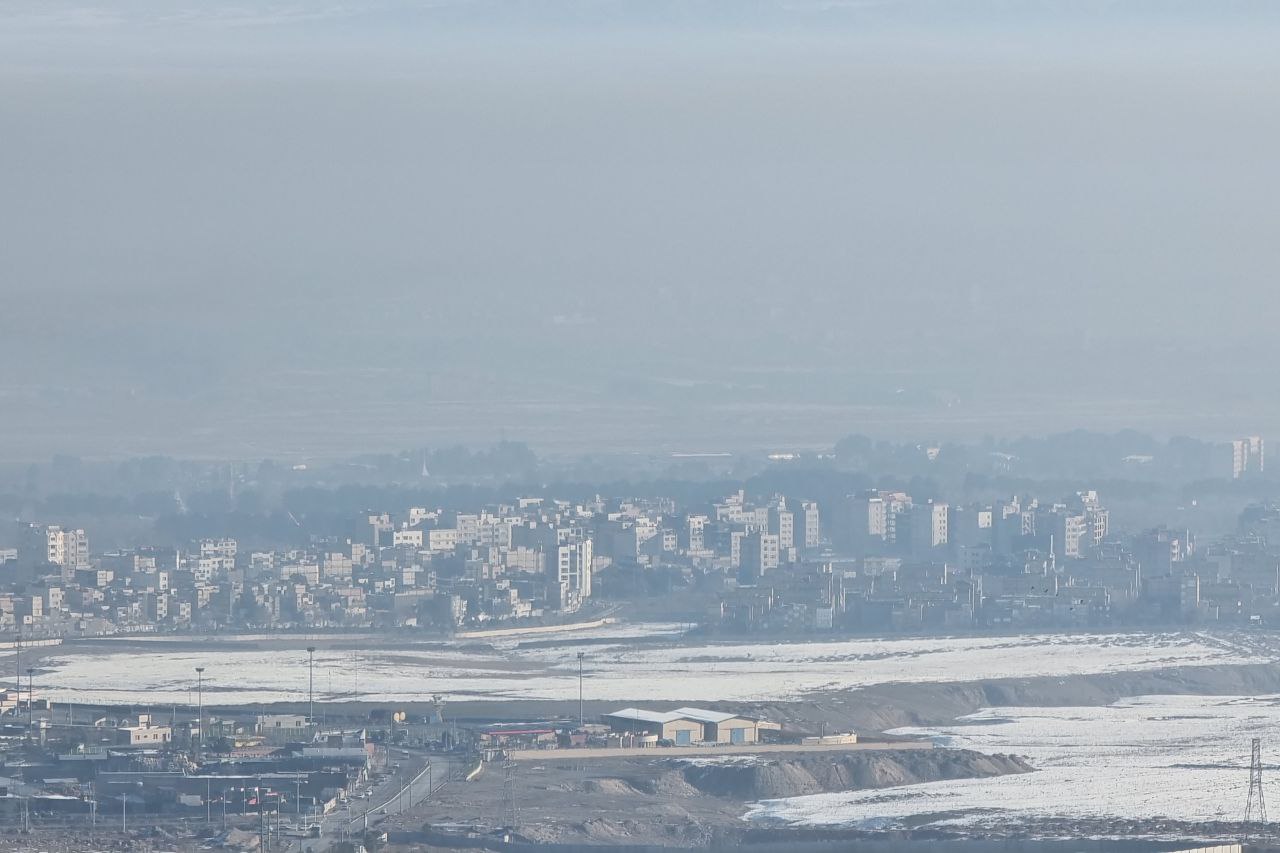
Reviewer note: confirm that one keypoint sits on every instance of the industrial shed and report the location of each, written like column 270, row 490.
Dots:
column 719, row 727
column 688, row 726
column 664, row 725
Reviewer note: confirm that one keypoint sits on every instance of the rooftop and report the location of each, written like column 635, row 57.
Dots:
column 697, row 715
column 702, row 715
column 645, row 716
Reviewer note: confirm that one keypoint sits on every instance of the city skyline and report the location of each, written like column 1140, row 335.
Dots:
column 630, row 425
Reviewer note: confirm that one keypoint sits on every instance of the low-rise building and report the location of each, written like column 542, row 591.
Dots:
column 145, row 733
column 283, row 728
column 688, row 726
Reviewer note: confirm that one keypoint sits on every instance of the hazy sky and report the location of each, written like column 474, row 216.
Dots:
column 311, row 228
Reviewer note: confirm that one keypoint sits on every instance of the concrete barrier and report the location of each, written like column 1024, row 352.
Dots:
column 32, row 644
column 537, row 629
column 709, row 751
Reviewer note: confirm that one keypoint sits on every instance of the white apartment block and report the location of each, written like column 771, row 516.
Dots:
column 442, row 539
column 777, row 519
column 696, row 526
column 809, row 528
column 1247, row 456
column 225, row 548
column 407, row 539
column 67, row 548
column 336, row 565
column 572, row 566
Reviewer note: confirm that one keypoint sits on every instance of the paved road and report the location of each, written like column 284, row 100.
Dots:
column 419, row 776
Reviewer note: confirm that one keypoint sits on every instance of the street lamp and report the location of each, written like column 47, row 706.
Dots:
column 200, row 710
column 582, row 717
column 31, row 694
column 124, row 808
column 311, row 684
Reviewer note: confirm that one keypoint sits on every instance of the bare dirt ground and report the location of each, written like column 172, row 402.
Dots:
column 665, row 801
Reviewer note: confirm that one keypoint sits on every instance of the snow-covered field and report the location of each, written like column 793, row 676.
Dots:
column 1181, row 758
column 615, row 671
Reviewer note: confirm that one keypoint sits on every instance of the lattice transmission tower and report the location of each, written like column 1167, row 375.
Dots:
column 511, row 811
column 1256, row 808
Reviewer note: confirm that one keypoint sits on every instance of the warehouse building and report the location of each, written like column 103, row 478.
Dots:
column 656, row 726
column 688, row 726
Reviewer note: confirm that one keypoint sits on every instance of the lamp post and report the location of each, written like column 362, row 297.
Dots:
column 31, row 694
column 582, row 717
column 124, row 808
column 311, row 684
column 200, row 711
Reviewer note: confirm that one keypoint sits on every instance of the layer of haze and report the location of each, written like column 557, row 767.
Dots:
column 294, row 229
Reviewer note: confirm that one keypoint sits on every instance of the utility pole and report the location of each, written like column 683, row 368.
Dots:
column 311, row 684
column 31, row 694
column 582, row 718
column 199, row 712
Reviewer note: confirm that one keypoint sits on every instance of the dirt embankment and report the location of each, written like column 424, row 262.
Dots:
column 881, row 707
column 683, row 802
column 889, row 706
column 816, row 774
